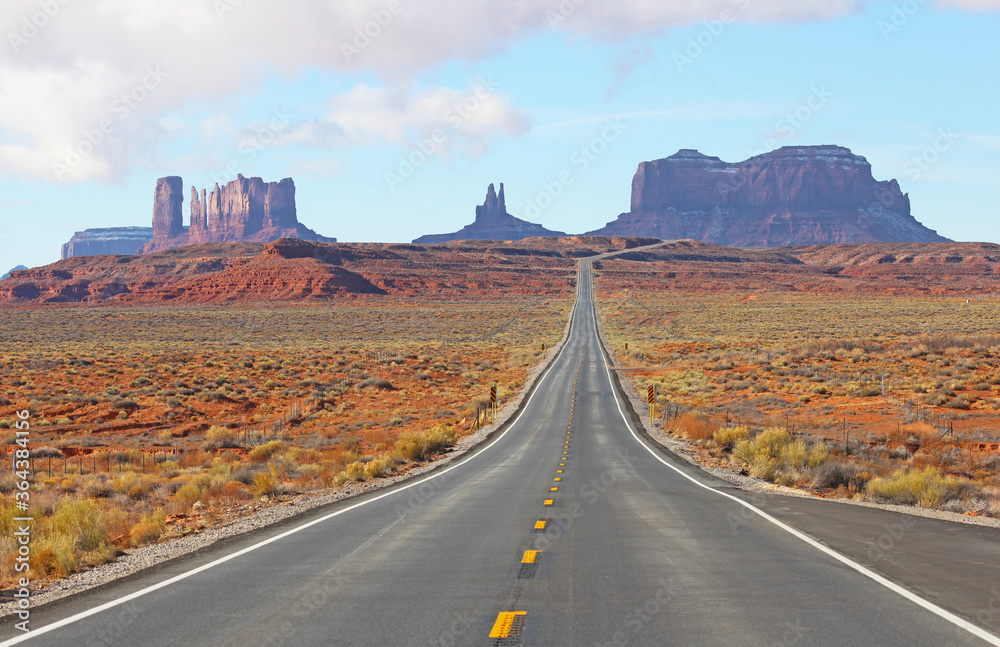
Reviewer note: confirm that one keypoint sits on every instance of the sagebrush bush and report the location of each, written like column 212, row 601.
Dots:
column 926, row 488
column 149, row 529
column 728, row 437
column 834, row 475
column 355, row 471
column 265, row 484
column 414, row 446
column 378, row 467
column 218, row 437
column 776, row 453
column 264, row 452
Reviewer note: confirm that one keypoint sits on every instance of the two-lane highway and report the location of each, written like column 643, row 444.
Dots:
column 566, row 530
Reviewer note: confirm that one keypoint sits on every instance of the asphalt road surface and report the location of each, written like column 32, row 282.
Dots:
column 571, row 529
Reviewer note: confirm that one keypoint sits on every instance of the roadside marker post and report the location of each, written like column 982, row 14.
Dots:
column 651, row 396
column 493, row 401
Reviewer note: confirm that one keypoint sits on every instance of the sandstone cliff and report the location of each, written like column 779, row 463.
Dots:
column 246, row 209
column 493, row 223
column 796, row 195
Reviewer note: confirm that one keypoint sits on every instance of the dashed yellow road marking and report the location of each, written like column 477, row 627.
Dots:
column 549, row 501
column 554, row 489
column 530, row 556
column 559, row 471
column 558, row 478
column 540, row 524
column 505, row 620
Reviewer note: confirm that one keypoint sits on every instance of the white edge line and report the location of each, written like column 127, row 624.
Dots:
column 843, row 559
column 182, row 576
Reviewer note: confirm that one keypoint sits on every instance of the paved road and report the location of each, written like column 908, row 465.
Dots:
column 633, row 549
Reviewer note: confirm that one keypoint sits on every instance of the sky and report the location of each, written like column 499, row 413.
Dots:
column 393, row 116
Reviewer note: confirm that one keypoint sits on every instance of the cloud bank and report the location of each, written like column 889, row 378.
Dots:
column 86, row 86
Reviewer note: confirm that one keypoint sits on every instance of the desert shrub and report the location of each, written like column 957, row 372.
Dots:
column 376, row 382
column 794, row 455
column 775, row 452
column 414, row 446
column 80, row 520
column 817, row 455
column 264, row 452
column 265, row 484
column 693, row 427
column 355, row 471
column 834, row 475
column 764, row 468
column 234, row 491
column 186, row 496
column 218, row 437
column 926, row 488
column 728, row 437
column 378, row 467
column 149, row 529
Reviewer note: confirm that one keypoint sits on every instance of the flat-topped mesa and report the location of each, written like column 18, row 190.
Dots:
column 246, row 209
column 791, row 196
column 108, row 241
column 493, row 223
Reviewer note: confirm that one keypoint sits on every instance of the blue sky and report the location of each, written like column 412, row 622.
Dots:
column 561, row 114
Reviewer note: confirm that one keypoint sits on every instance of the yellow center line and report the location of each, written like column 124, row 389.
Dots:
column 558, row 478
column 540, row 524
column 554, row 489
column 549, row 501
column 505, row 620
column 530, row 556
column 559, row 471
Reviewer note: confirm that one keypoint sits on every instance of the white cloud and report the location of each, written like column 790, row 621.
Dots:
column 64, row 71
column 464, row 119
